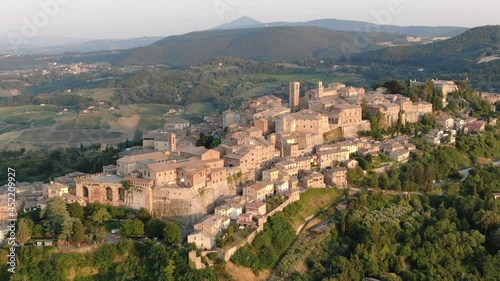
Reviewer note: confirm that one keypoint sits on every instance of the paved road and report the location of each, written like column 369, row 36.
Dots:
column 112, row 239
column 465, row 173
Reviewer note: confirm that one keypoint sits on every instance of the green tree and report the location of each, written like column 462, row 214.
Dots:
column 133, row 227
column 100, row 215
column 494, row 241
column 144, row 215
column 101, row 236
column 23, row 231
column 78, row 233
column 37, row 230
column 172, row 233
column 168, row 271
column 76, row 210
column 66, row 228
column 155, row 228
column 55, row 214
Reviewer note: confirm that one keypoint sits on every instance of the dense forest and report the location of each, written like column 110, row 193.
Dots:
column 455, row 235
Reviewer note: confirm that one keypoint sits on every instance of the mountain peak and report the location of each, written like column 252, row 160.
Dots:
column 241, row 22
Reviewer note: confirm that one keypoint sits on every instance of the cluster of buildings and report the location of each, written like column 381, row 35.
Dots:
column 321, row 110
column 61, row 69
column 34, row 196
column 241, row 211
column 93, row 108
column 448, row 127
column 268, row 149
column 185, row 182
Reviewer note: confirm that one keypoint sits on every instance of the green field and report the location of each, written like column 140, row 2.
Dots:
column 199, row 108
column 65, row 122
column 93, row 136
column 147, row 123
column 44, row 119
column 43, row 127
column 150, row 115
column 101, row 94
column 24, row 117
column 39, row 135
column 88, row 121
column 196, row 111
column 6, row 128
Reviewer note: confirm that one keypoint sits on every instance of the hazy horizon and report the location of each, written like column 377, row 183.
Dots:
column 108, row 19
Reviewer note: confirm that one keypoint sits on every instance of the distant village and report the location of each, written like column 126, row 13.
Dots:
column 269, row 148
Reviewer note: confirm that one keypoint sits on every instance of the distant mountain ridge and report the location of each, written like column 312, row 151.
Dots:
column 59, row 45
column 259, row 44
column 350, row 25
column 44, row 46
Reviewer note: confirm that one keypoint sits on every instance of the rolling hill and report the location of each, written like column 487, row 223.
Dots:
column 460, row 51
column 350, row 25
column 458, row 56
column 259, row 44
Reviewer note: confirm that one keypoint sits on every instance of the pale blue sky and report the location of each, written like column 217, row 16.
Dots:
column 135, row 18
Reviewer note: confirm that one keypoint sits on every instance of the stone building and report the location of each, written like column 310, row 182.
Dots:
column 336, row 177
column 102, row 189
column 128, row 164
column 259, row 191
column 294, row 96
column 304, row 121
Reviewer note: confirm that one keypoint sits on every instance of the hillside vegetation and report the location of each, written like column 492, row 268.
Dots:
column 445, row 59
column 464, row 49
column 260, row 44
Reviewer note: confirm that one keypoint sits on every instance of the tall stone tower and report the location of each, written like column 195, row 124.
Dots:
column 173, row 142
column 320, row 89
column 294, row 96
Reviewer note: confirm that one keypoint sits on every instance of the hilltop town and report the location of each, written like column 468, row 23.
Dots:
column 226, row 142
column 268, row 148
